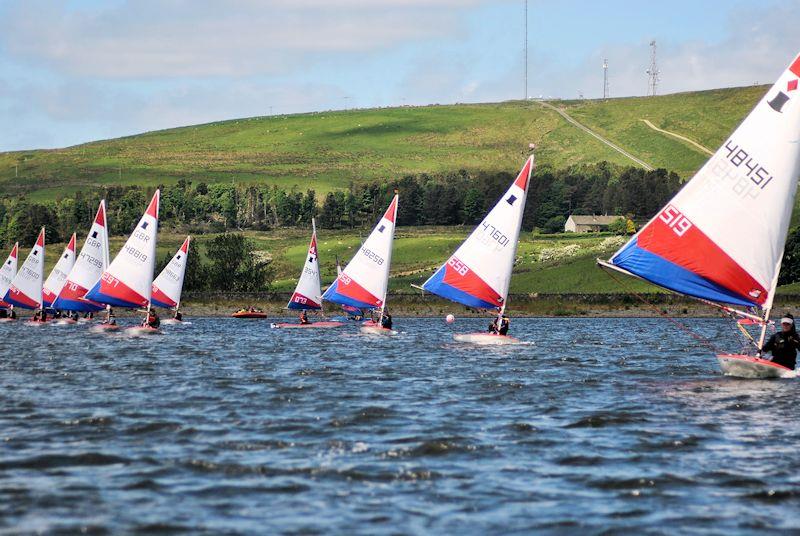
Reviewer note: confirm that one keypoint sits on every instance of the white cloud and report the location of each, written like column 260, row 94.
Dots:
column 174, row 38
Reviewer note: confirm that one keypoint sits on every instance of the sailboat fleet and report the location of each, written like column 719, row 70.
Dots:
column 720, row 240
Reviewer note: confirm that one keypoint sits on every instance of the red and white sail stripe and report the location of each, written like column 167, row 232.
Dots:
column 58, row 275
column 26, row 287
column 7, row 273
column 128, row 281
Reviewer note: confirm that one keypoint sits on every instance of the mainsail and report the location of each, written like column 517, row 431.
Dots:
column 26, row 287
column 168, row 286
column 478, row 274
column 721, row 238
column 363, row 282
column 7, row 273
column 90, row 264
column 128, row 280
column 308, row 293
column 58, row 276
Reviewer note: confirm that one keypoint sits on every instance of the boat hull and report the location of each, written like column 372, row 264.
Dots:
column 485, row 339
column 139, row 331
column 64, row 322
column 321, row 324
column 372, row 328
column 7, row 320
column 249, row 315
column 104, row 328
column 745, row 366
column 171, row 322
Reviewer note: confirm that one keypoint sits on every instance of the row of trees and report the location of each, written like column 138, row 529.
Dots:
column 233, row 265
column 448, row 199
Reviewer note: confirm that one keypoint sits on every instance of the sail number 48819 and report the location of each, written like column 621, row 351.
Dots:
column 675, row 220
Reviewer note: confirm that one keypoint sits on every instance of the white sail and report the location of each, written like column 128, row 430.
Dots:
column 478, row 274
column 308, row 293
column 721, row 238
column 90, row 264
column 58, row 275
column 7, row 273
column 128, row 281
column 363, row 282
column 26, row 287
column 168, row 286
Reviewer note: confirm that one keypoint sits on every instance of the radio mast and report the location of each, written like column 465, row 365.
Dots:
column 653, row 72
column 606, row 92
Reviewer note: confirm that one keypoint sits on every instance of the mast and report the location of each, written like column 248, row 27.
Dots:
column 319, row 266
column 770, row 300
column 389, row 257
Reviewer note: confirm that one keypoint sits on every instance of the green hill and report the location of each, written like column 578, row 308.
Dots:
column 327, row 150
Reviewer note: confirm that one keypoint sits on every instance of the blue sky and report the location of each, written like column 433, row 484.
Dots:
column 78, row 70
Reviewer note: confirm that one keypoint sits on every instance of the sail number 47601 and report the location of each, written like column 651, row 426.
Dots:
column 675, row 220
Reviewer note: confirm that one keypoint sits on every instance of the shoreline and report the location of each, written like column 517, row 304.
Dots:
column 549, row 306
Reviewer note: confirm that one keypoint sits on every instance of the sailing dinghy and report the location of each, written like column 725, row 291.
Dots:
column 721, row 238
column 26, row 288
column 167, row 287
column 307, row 295
column 7, row 273
column 128, row 280
column 478, row 274
column 89, row 265
column 58, row 275
column 363, row 283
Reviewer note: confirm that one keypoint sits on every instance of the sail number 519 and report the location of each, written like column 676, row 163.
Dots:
column 675, row 220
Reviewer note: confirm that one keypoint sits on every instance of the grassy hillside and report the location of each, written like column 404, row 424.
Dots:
column 328, row 150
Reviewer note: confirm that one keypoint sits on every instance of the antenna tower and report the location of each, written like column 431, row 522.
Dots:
column 653, row 72
column 606, row 92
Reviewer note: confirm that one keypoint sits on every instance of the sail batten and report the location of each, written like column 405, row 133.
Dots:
column 478, row 274
column 721, row 237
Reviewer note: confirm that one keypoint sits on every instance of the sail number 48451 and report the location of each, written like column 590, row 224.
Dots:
column 675, row 220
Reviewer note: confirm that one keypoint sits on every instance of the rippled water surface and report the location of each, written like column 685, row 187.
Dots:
column 227, row 426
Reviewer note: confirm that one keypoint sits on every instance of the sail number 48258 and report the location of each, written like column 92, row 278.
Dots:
column 675, row 220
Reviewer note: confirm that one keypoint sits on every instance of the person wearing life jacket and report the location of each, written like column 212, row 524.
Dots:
column 152, row 320
column 386, row 320
column 12, row 314
column 784, row 344
column 304, row 317
column 493, row 327
column 178, row 316
column 504, row 325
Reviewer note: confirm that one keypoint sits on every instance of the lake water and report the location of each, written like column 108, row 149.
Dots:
column 227, row 426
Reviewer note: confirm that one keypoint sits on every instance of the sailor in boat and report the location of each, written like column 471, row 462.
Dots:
column 784, row 344
column 505, row 323
column 152, row 320
column 3, row 313
column 12, row 314
column 386, row 320
column 74, row 316
column 304, row 317
column 178, row 316
column 110, row 320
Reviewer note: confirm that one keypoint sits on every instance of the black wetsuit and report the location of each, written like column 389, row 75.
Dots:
column 386, row 321
column 784, row 348
column 504, row 324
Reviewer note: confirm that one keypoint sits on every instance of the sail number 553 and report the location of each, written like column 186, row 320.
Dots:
column 675, row 220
